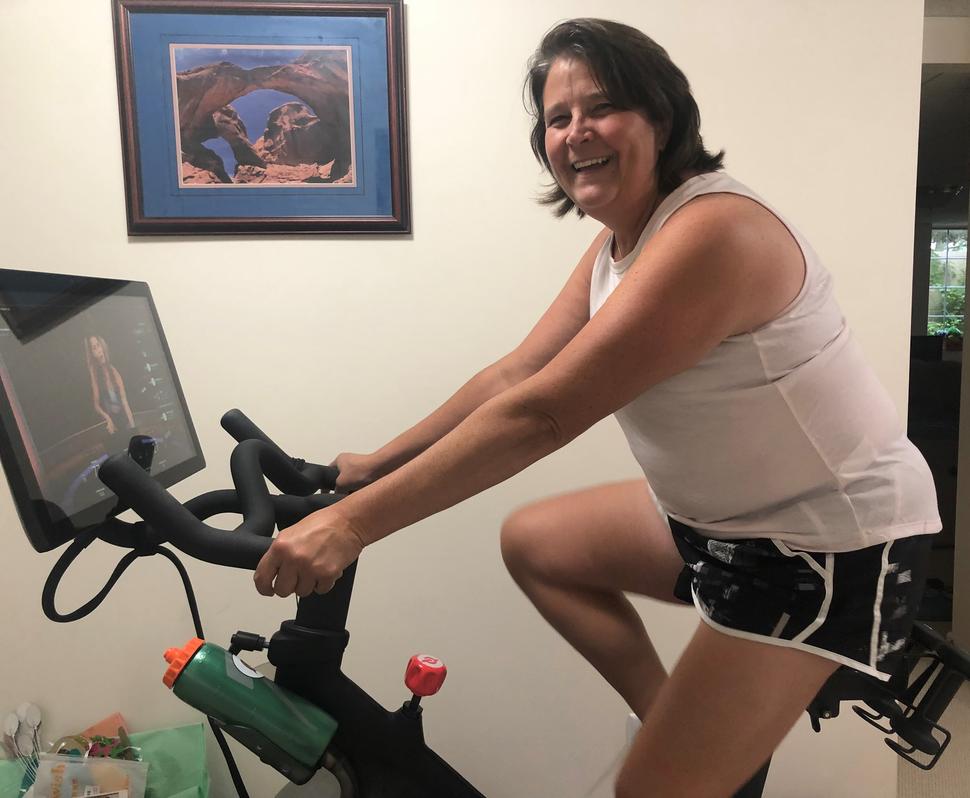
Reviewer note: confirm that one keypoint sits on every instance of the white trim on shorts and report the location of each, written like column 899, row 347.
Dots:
column 827, row 576
column 877, row 606
column 779, row 641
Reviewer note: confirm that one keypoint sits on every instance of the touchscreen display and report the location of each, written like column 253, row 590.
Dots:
column 88, row 375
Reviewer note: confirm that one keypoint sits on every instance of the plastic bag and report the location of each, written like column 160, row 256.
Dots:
column 13, row 781
column 178, row 763
column 60, row 776
column 177, row 758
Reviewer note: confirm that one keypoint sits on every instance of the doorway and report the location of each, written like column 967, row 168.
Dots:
column 939, row 316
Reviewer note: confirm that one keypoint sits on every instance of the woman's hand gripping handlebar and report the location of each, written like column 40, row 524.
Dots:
column 309, row 557
column 253, row 458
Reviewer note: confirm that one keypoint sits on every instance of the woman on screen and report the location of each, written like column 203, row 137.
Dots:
column 107, row 387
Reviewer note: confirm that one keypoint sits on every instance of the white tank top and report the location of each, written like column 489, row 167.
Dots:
column 784, row 432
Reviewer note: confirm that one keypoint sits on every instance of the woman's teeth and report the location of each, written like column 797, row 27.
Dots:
column 580, row 165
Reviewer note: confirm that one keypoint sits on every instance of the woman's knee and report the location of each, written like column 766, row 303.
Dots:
column 523, row 538
column 607, row 537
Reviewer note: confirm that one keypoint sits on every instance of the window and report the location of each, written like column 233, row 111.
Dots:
column 948, row 280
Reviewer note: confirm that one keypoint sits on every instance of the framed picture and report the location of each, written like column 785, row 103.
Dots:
column 263, row 117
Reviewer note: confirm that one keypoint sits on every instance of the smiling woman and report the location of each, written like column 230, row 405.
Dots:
column 784, row 499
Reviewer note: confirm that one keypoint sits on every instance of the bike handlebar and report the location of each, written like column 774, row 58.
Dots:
column 255, row 457
column 305, row 479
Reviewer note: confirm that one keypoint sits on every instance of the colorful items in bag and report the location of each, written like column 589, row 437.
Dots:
column 114, row 747
column 98, row 745
column 108, row 726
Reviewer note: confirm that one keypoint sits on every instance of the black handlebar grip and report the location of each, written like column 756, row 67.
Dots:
column 242, row 548
column 238, row 425
column 253, row 459
column 279, row 469
column 324, row 476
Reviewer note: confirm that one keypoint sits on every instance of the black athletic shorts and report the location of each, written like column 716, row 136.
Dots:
column 854, row 607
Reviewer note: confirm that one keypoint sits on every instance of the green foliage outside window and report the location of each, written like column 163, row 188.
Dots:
column 948, row 278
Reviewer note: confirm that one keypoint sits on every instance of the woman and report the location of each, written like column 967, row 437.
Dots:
column 107, row 387
column 799, row 514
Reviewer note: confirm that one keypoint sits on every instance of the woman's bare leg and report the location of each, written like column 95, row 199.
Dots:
column 727, row 705
column 575, row 555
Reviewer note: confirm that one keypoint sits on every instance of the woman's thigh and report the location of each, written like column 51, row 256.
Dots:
column 609, row 537
column 728, row 703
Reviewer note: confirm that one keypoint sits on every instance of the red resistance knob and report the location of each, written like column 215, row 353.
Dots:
column 425, row 675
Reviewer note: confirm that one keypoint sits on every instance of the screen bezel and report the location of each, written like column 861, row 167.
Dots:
column 46, row 525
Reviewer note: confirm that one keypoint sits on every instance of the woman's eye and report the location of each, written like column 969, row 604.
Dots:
column 602, row 108
column 556, row 121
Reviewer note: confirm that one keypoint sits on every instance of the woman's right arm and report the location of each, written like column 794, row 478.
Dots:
column 562, row 320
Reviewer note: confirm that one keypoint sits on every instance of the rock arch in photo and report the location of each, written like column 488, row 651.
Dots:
column 300, row 139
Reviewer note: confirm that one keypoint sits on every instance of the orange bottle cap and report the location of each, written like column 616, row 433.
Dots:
column 178, row 658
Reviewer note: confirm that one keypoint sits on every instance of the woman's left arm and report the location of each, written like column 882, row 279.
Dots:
column 718, row 267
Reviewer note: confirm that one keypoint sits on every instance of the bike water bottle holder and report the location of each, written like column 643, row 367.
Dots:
column 301, row 647
column 268, row 752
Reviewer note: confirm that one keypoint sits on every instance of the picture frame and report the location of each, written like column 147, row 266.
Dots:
column 243, row 117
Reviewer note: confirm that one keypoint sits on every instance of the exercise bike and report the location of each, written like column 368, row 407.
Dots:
column 377, row 753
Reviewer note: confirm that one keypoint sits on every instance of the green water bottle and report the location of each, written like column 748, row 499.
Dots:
column 283, row 729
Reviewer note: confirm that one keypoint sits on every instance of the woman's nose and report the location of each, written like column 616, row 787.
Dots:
column 578, row 130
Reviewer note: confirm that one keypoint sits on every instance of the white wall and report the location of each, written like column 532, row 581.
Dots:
column 337, row 343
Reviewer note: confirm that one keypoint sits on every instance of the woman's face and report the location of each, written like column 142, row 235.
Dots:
column 604, row 158
column 97, row 351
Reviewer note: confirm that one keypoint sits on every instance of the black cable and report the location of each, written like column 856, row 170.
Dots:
column 65, row 561
column 88, row 608
column 230, row 762
column 189, row 592
column 197, row 622
column 81, row 542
